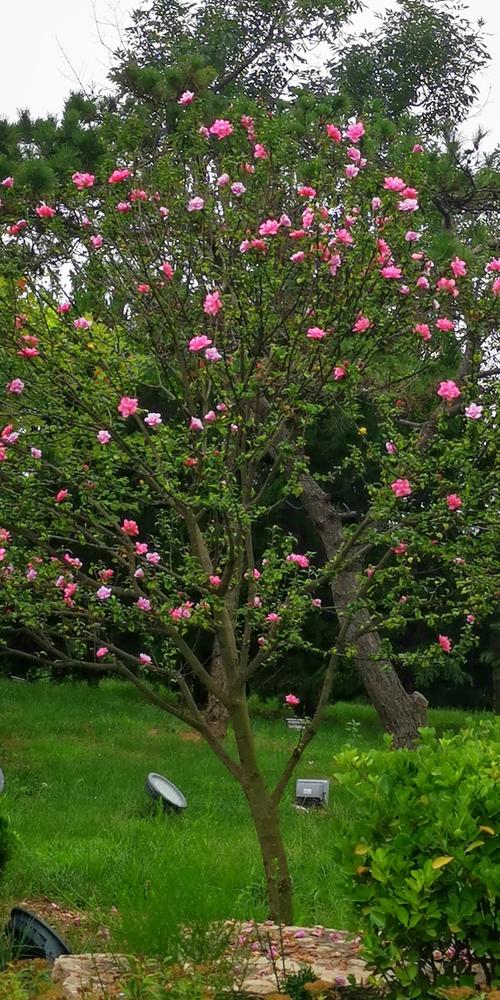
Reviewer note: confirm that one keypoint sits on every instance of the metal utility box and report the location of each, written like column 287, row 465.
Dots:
column 295, row 723
column 312, row 792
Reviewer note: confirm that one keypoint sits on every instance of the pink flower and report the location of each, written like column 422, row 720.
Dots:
column 82, row 180
column 212, row 354
column 298, row 560
column 123, row 207
column 8, row 182
column 390, row 271
column 141, row 548
column 394, row 184
column 362, row 324
column 143, row 603
column 448, row 390
column 139, row 573
column 144, row 659
column 400, row 549
column 307, row 218
column 445, row 324
column 411, row 236
column 183, row 611
column 459, row 267
column 269, row 227
column 103, row 437
column 343, row 236
column 121, row 174
column 291, row 699
column 195, row 204
column 221, row 128
column 199, row 343
column 167, row 269
column 445, row 643
column 223, row 180
column 376, row 204
column 316, row 602
column 81, row 323
column 31, row 574
column 106, row 574
column 102, row 651
column 494, row 265
column 355, row 131
column 298, row 257
column 260, row 151
column 212, row 304
column 273, row 618
column 127, row 406
column 17, row 227
column 470, row 619
column 129, row 527
column 215, row 580
column 45, row 211
column 401, row 488
column 390, row 447
column 305, row 191
column 447, row 285
column 63, row 308
column 61, row 496
column 473, row 411
column 238, row 189
column 339, row 372
column 97, row 242
column 354, row 154
column 408, row 205
column 422, row 282
column 417, row 148
column 195, row 424
column 186, row 98
column 453, row 501
column 333, row 133
column 153, row 558
column 16, row 386
column 204, row 132
column 153, row 419
column 35, row 453
column 423, row 330
column 495, row 288
column 316, row 333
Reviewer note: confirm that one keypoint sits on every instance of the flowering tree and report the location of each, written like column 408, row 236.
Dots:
column 170, row 338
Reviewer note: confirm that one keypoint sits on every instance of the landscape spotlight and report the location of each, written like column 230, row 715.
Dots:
column 312, row 792
column 32, row 938
column 162, row 789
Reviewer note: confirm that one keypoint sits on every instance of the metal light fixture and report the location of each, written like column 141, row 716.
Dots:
column 165, row 791
column 32, row 937
column 312, row 792
column 295, row 723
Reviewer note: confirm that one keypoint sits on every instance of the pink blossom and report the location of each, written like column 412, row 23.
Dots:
column 82, row 180
column 394, row 184
column 123, row 207
column 81, row 323
column 167, row 269
column 45, row 211
column 97, row 242
column 139, row 573
column 400, row 549
column 291, row 699
column 422, row 282
column 212, row 354
column 316, row 333
column 495, row 288
column 269, row 227
column 183, row 611
column 106, row 574
column 408, row 205
column 448, row 390
column 411, row 236
column 417, row 148
column 215, row 580
column 63, row 308
column 186, row 98
column 445, row 324
column 354, row 154
column 129, row 527
column 195, row 424
column 459, row 267
column 307, row 218
column 355, row 131
column 199, row 343
column 423, row 330
column 401, row 488
column 447, row 285
column 210, row 417
column 298, row 559
column 102, row 651
column 204, row 132
column 153, row 558
column 298, row 258
column 143, row 288
column 351, row 171
column 28, row 352
column 316, row 602
column 127, row 406
column 390, row 447
column 103, row 437
column 61, row 496
column 473, row 411
column 238, row 189
column 144, row 659
column 260, row 151
column 223, row 180
column 143, row 603
column 376, row 204
column 273, row 618
column 221, row 128
column 141, row 548
column 153, row 419
column 121, row 174
column 470, row 619
column 453, row 501
column 343, row 236
column 493, row 265
column 35, row 453
column 333, row 133
column 31, row 574
column 362, row 324
column 339, row 372
column 213, row 303
column 195, row 204
column 17, row 227
column 8, row 182
column 445, row 643
column 305, row 191
column 390, row 271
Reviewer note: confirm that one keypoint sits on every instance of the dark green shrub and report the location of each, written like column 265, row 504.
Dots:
column 423, row 849
column 5, row 842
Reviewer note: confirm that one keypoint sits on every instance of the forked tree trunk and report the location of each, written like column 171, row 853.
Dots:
column 266, row 820
column 216, row 713
column 400, row 713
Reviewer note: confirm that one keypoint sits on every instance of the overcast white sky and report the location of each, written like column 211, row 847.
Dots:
column 49, row 46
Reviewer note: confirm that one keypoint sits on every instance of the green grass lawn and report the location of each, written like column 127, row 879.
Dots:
column 75, row 761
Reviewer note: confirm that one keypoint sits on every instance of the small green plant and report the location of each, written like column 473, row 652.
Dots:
column 423, row 852
column 293, row 984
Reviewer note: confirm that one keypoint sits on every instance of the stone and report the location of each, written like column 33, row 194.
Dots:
column 78, row 975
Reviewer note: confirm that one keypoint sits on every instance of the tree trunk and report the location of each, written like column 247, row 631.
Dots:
column 278, row 880
column 216, row 713
column 400, row 713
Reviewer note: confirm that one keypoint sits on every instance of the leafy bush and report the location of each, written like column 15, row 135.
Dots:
column 424, row 854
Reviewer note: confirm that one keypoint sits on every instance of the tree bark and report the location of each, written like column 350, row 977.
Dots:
column 278, row 880
column 400, row 713
column 216, row 713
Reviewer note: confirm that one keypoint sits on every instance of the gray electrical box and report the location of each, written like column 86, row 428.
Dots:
column 312, row 792
column 296, row 723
